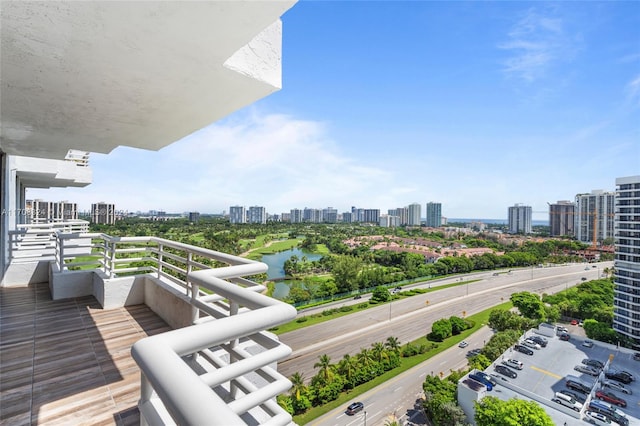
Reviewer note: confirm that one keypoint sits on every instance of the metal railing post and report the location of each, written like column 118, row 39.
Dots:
column 160, row 259
column 233, row 310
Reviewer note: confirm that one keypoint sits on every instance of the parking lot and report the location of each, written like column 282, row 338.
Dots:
column 546, row 371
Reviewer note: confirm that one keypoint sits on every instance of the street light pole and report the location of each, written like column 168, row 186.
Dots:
column 365, row 418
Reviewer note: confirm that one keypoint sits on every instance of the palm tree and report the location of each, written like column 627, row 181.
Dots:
column 365, row 357
column 325, row 367
column 379, row 352
column 346, row 367
column 393, row 343
column 298, row 388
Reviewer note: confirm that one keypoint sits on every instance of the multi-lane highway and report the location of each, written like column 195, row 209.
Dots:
column 412, row 317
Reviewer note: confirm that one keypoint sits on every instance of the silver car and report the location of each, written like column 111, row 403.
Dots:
column 616, row 386
column 586, row 369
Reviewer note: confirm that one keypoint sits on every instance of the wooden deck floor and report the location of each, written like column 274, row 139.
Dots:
column 69, row 362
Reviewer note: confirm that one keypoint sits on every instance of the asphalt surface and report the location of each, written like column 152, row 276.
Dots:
column 411, row 318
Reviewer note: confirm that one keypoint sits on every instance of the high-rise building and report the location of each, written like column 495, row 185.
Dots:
column 415, row 214
column 237, row 214
column 103, row 213
column 347, row 217
column 357, row 215
column 389, row 221
column 194, row 217
column 434, row 215
column 626, row 309
column 257, row 214
column 594, row 216
column 372, row 216
column 39, row 211
column 520, row 219
column 296, row 216
column 330, row 215
column 561, row 218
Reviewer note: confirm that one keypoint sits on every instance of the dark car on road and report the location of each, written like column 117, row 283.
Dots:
column 523, row 349
column 354, row 408
column 611, row 398
column 506, row 371
column 577, row 386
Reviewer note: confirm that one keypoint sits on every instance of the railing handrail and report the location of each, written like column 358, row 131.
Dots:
column 218, row 322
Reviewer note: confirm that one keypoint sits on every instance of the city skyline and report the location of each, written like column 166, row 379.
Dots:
column 479, row 106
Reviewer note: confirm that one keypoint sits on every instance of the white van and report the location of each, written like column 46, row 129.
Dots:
column 567, row 401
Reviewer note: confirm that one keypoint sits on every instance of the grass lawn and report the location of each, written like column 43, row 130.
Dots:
column 480, row 319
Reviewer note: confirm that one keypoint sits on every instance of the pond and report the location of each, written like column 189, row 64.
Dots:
column 276, row 270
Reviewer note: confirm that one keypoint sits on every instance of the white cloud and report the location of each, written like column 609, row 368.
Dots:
column 535, row 42
column 633, row 90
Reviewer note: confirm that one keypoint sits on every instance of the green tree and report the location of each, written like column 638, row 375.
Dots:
column 380, row 294
column 529, row 304
column 458, row 325
column 345, row 271
column 393, row 344
column 325, row 368
column 440, row 330
column 491, row 411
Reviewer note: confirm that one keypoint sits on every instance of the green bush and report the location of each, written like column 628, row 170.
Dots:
column 364, row 305
column 346, row 308
column 302, row 319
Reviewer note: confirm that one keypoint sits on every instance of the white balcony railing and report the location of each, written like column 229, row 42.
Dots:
column 221, row 370
column 37, row 241
column 81, row 158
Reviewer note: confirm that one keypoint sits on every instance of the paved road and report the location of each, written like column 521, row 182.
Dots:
column 412, row 317
column 398, row 396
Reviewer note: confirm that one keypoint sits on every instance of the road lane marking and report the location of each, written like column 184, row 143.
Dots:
column 397, row 389
column 546, row 372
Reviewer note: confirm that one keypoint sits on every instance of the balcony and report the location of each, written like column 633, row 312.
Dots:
column 191, row 319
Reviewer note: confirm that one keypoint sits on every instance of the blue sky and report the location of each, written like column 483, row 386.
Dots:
column 477, row 105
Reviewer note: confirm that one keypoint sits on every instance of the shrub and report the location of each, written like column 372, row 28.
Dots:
column 346, row 308
column 302, row 319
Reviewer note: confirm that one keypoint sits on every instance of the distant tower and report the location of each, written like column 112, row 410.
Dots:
column 237, row 214
column 257, row 214
column 194, row 217
column 594, row 216
column 103, row 213
column 434, row 215
column 415, row 214
column 562, row 218
column 520, row 219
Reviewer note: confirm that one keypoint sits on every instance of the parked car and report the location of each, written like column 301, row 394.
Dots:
column 628, row 374
column 565, row 337
column 597, row 418
column 463, row 344
column 513, row 363
column 523, row 349
column 530, row 343
column 611, row 397
column 567, row 401
column 636, row 356
column 593, row 363
column 539, row 340
column 482, row 380
column 586, row 369
column 575, row 395
column 616, row 386
column 587, row 343
column 562, row 329
column 505, row 371
column 574, row 322
column 354, row 408
column 618, row 376
column 487, row 377
column 610, row 411
column 577, row 386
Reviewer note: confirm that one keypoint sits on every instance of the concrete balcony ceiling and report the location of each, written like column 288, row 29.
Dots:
column 98, row 74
